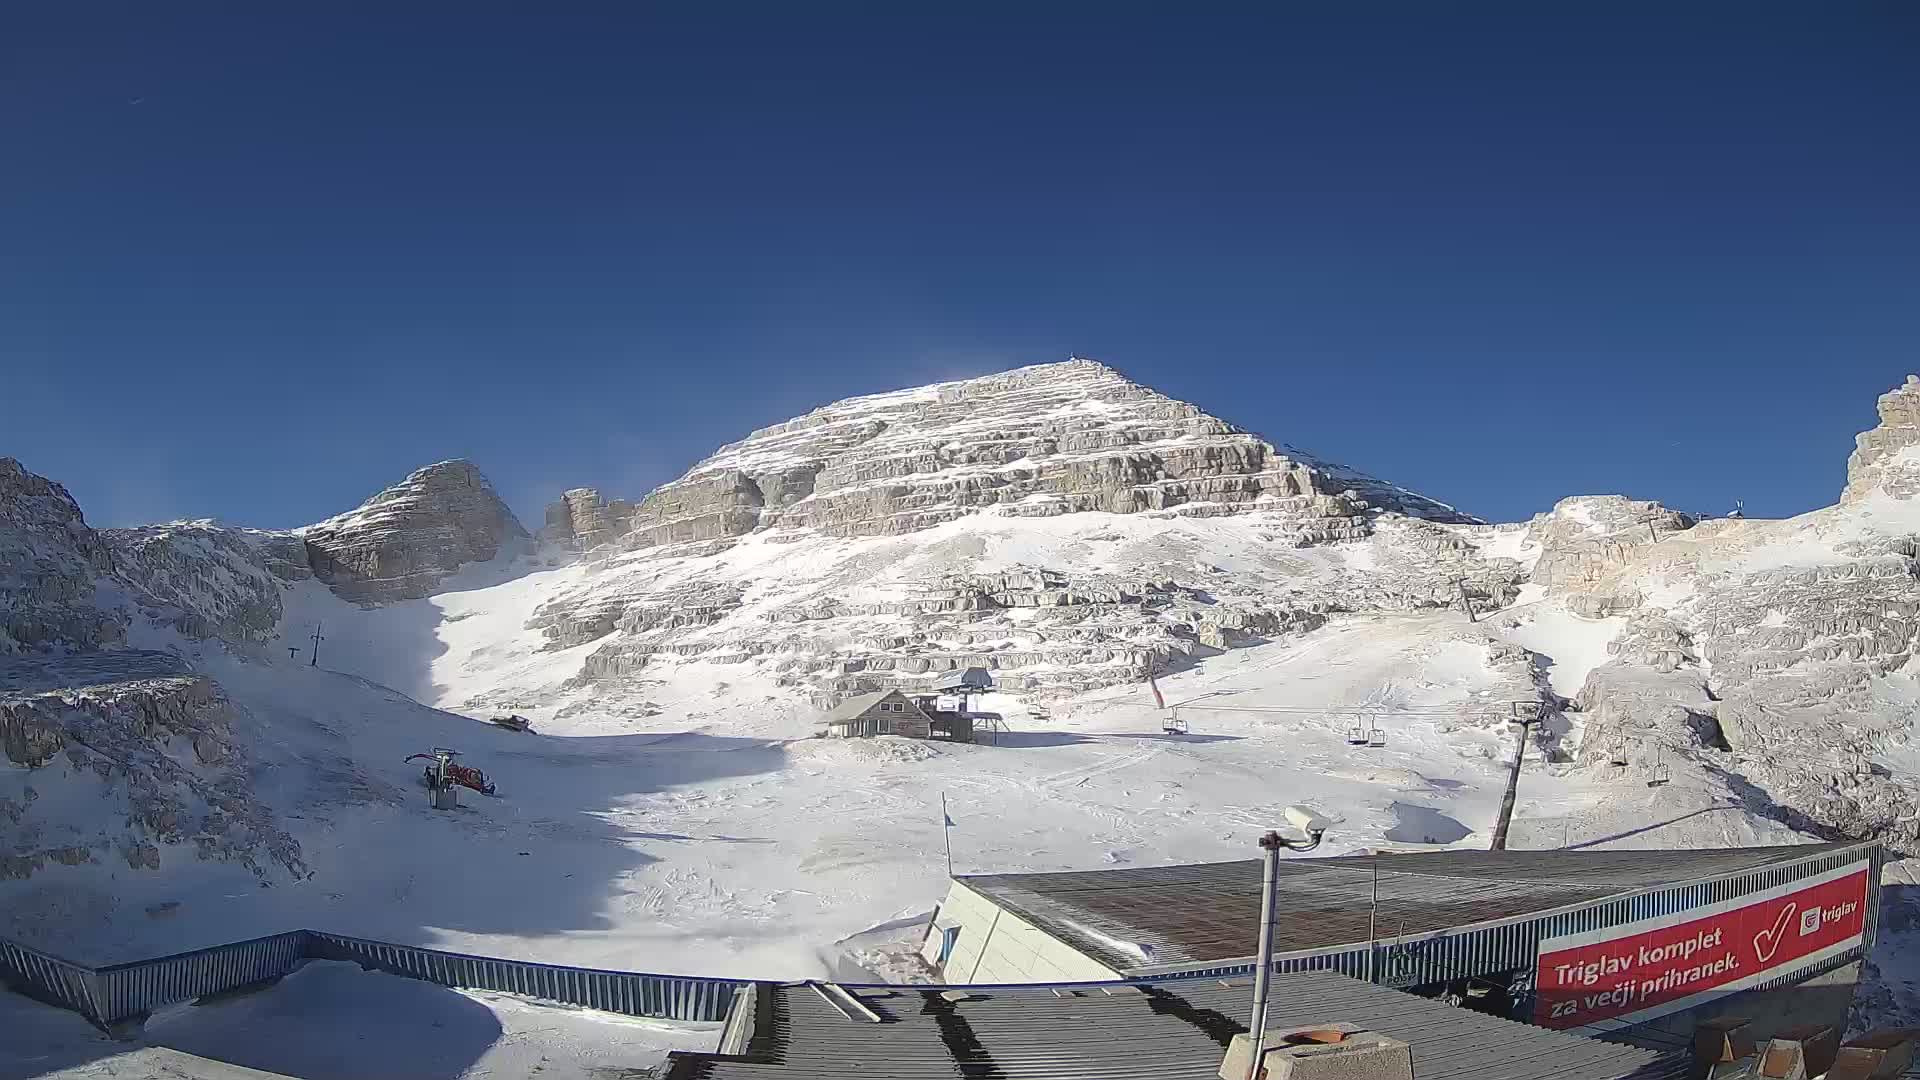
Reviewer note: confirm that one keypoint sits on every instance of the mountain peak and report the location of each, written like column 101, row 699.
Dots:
column 400, row 543
column 1037, row 441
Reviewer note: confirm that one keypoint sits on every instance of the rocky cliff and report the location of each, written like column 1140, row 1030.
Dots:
column 49, row 560
column 1058, row 524
column 1776, row 654
column 401, row 543
column 148, row 750
column 208, row 580
column 1883, row 459
column 1034, row 442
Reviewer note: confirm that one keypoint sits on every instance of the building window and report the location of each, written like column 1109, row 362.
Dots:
column 948, row 936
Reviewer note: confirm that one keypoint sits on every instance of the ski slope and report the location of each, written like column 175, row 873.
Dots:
column 717, row 837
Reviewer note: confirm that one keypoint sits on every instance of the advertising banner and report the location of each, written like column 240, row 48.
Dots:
column 1634, row 972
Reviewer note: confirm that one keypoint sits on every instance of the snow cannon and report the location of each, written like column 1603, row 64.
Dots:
column 443, row 774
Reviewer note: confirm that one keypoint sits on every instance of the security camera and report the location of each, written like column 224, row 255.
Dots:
column 1307, row 820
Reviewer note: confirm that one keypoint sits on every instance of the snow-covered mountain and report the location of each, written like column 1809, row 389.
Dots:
column 1059, row 525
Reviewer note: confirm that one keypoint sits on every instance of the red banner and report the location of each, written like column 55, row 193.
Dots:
column 1643, row 969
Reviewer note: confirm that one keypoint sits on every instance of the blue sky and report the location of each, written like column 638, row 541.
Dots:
column 258, row 261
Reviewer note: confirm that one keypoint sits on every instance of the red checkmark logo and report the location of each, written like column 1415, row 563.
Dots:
column 1767, row 942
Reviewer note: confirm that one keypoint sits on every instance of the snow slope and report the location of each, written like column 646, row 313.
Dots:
column 672, row 812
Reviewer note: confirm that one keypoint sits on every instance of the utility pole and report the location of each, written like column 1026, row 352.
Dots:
column 1373, row 917
column 1272, row 845
column 1466, row 604
column 316, row 645
column 1525, row 715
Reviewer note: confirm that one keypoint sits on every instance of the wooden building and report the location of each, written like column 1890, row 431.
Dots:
column 883, row 712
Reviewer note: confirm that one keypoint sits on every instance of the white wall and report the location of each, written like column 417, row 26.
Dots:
column 996, row 946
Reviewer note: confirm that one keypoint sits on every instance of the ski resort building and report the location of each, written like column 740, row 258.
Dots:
column 1648, row 943
column 1154, row 1030
column 883, row 712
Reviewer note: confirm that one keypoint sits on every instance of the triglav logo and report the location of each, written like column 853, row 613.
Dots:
column 1810, row 921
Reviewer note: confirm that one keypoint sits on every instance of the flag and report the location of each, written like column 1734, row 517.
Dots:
column 947, row 820
column 1158, row 701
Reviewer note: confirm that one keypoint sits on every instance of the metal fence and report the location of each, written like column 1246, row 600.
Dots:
column 634, row 993
column 121, row 992
column 130, row 991
column 126, row 991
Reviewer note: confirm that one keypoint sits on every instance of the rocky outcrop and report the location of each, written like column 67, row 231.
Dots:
column 582, row 519
column 1778, row 652
column 149, row 739
column 49, row 560
column 207, row 580
column 1050, row 441
column 401, row 543
column 1587, row 537
column 1884, row 460
column 1038, row 441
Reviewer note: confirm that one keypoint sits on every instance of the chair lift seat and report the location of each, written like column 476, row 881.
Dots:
column 1376, row 737
column 1358, row 736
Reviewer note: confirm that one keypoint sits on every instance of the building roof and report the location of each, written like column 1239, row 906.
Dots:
column 1166, row 1030
column 858, row 704
column 974, row 678
column 1211, row 911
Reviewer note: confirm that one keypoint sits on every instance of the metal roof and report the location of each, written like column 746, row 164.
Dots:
column 973, row 678
column 1174, row 1030
column 1211, row 911
column 858, row 704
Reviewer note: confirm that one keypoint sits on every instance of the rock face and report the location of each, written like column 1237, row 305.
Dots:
column 1058, row 525
column 49, row 560
column 399, row 544
column 144, row 735
column 208, row 580
column 1038, row 441
column 1883, row 460
column 583, row 520
column 1773, row 652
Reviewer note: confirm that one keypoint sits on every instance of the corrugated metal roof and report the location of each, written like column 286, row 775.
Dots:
column 1211, row 911
column 1175, row 1030
column 857, row 704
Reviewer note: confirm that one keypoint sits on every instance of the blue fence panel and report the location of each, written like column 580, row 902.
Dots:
column 633, row 993
column 48, row 978
column 134, row 989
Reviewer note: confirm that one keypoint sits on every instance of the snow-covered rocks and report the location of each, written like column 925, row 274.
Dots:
column 1038, row 441
column 582, row 519
column 49, row 559
column 402, row 542
column 125, row 755
column 208, row 580
column 1056, row 524
column 1883, row 460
